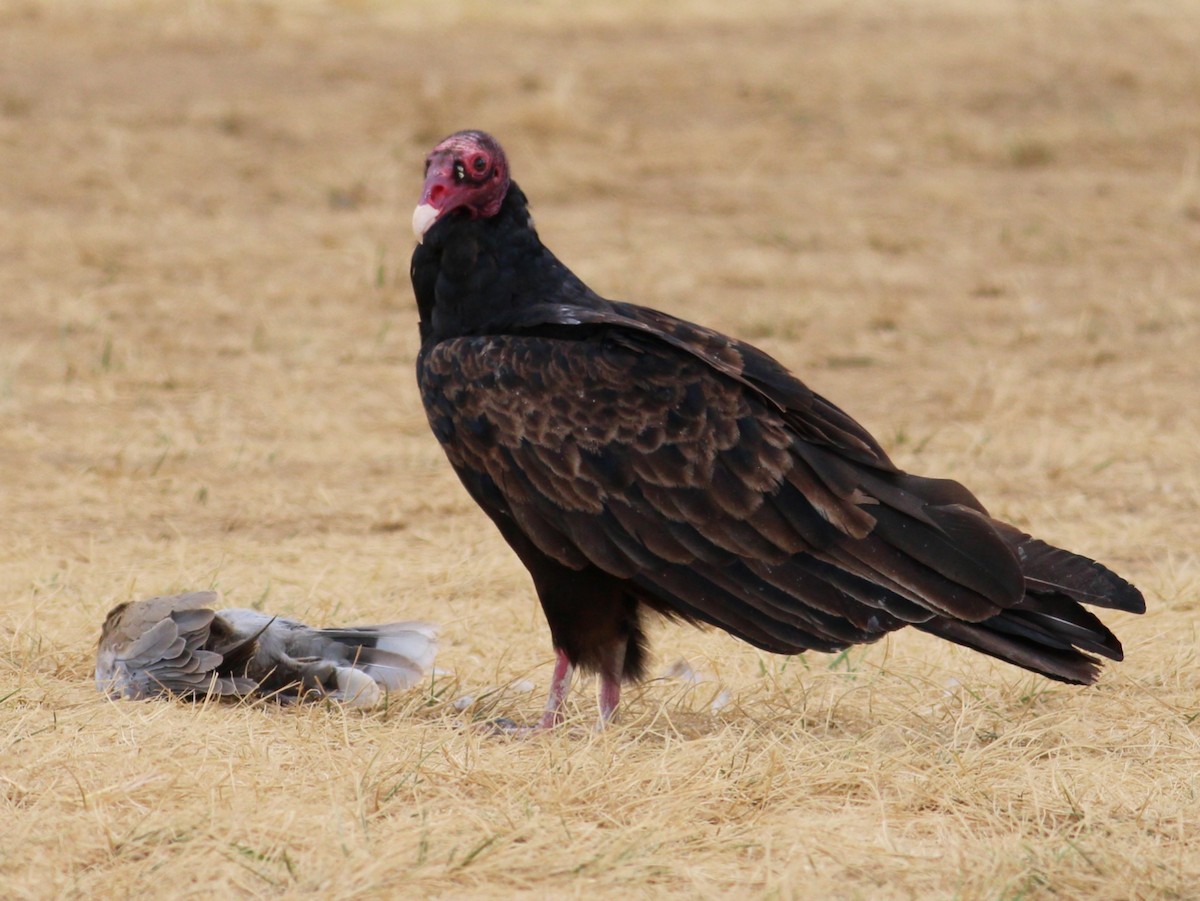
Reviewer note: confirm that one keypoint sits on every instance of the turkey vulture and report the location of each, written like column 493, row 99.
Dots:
column 637, row 461
column 180, row 645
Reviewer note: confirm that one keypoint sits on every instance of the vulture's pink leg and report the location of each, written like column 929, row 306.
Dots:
column 559, row 686
column 610, row 696
column 610, row 685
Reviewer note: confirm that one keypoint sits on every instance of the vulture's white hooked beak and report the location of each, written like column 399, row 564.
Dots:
column 424, row 216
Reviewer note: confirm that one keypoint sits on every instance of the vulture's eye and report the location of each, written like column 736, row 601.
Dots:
column 460, row 172
column 479, row 164
column 427, row 167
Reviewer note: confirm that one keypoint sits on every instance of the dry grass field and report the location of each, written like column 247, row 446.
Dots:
column 975, row 225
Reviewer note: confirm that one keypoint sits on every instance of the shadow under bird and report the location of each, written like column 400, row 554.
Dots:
column 635, row 461
column 180, row 645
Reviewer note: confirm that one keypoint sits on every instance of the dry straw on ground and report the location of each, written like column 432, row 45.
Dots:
column 975, row 225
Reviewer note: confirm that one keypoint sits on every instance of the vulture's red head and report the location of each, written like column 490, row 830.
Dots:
column 467, row 171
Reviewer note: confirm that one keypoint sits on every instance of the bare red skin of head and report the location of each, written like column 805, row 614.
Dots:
column 466, row 171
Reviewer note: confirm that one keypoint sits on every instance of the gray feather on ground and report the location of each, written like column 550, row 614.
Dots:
column 181, row 645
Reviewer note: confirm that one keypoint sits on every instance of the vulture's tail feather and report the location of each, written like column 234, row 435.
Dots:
column 1048, row 630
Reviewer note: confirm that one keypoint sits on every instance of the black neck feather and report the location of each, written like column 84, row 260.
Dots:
column 478, row 276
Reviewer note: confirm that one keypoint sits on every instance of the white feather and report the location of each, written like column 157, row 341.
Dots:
column 356, row 688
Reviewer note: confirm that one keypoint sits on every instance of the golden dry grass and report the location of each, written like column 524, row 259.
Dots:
column 974, row 225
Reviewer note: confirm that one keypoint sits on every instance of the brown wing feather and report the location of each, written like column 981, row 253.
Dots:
column 807, row 413
column 683, row 472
